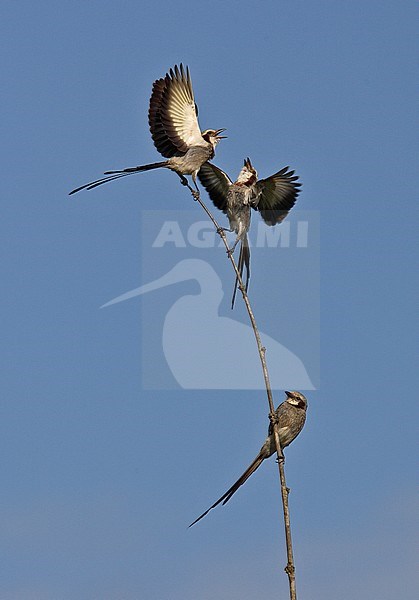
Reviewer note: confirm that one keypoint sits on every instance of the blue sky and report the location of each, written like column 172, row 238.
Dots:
column 100, row 474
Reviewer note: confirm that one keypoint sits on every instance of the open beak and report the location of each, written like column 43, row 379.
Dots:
column 220, row 137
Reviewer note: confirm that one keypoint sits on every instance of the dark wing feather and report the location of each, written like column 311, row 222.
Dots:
column 217, row 183
column 163, row 144
column 275, row 196
column 177, row 116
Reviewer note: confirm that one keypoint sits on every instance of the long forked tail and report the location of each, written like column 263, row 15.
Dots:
column 226, row 497
column 111, row 175
column 244, row 261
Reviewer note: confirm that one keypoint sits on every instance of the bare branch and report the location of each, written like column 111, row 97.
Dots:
column 290, row 568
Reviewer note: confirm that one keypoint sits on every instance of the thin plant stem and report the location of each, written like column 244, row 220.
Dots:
column 290, row 568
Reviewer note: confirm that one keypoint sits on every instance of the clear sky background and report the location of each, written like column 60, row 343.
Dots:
column 101, row 477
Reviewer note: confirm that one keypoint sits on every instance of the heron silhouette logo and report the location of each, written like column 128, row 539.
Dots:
column 216, row 352
column 202, row 348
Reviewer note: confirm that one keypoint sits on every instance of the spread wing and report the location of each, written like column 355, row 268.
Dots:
column 217, row 183
column 275, row 196
column 173, row 116
column 162, row 142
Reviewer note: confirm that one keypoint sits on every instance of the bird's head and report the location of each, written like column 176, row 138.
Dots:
column 248, row 175
column 296, row 399
column 212, row 136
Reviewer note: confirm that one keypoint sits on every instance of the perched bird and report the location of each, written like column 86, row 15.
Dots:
column 272, row 197
column 291, row 416
column 173, row 121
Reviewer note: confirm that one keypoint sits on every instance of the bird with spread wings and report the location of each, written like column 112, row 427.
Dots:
column 174, row 127
column 273, row 197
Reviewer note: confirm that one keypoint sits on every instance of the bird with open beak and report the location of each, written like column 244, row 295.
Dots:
column 174, row 127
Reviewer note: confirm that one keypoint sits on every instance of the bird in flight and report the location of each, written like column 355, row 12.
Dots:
column 291, row 416
column 174, row 127
column 272, row 197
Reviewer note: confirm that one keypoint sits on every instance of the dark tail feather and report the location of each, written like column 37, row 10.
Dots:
column 93, row 184
column 244, row 261
column 156, row 165
column 116, row 175
column 226, row 497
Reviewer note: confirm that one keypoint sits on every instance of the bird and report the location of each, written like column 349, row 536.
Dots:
column 174, row 127
column 291, row 416
column 273, row 197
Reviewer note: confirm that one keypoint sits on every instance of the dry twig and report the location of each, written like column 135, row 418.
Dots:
column 289, row 569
